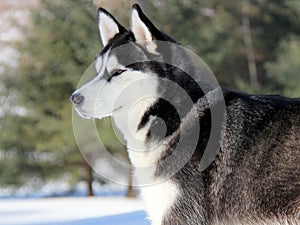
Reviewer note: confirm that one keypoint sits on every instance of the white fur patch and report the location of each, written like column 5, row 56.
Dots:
column 158, row 200
column 113, row 64
column 98, row 64
column 146, row 157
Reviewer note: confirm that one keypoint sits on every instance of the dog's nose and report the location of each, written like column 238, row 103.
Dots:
column 76, row 98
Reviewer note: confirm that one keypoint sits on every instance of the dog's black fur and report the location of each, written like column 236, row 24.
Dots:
column 255, row 178
column 256, row 175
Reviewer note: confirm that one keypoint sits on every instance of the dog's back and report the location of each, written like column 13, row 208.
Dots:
column 255, row 178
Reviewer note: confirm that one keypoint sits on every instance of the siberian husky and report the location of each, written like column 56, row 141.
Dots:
column 162, row 106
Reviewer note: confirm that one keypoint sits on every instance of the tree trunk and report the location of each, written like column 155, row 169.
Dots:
column 90, row 180
column 130, row 190
column 249, row 45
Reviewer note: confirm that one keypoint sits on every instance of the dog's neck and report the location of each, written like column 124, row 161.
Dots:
column 145, row 126
column 128, row 121
column 149, row 125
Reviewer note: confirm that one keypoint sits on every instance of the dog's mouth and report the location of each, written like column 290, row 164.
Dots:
column 82, row 113
column 117, row 109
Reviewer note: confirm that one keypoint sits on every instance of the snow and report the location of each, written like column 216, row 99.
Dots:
column 72, row 211
column 61, row 188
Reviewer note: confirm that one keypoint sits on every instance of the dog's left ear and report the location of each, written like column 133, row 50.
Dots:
column 109, row 27
column 143, row 29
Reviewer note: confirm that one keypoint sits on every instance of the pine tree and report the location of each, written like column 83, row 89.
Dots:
column 286, row 67
column 37, row 142
column 219, row 32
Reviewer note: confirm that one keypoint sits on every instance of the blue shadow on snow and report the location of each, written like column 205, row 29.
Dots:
column 134, row 218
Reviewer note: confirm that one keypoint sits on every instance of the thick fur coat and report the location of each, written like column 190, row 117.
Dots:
column 254, row 177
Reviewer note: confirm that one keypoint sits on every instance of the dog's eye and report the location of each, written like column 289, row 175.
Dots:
column 117, row 72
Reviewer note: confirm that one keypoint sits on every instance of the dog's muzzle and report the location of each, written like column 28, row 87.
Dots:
column 76, row 98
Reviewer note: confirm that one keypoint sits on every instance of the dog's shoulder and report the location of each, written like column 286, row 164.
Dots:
column 260, row 105
column 252, row 115
column 231, row 96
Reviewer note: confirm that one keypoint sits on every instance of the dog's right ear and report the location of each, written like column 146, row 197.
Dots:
column 143, row 29
column 108, row 26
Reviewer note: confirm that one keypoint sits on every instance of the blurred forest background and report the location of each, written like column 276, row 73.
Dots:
column 250, row 45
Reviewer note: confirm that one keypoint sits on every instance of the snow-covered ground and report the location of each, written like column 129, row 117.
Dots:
column 72, row 211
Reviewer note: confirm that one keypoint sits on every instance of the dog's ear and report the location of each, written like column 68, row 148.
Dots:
column 108, row 26
column 143, row 29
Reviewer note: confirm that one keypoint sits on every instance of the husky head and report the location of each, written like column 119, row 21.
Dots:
column 130, row 71
column 103, row 95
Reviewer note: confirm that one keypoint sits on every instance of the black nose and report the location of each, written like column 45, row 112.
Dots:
column 76, row 98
